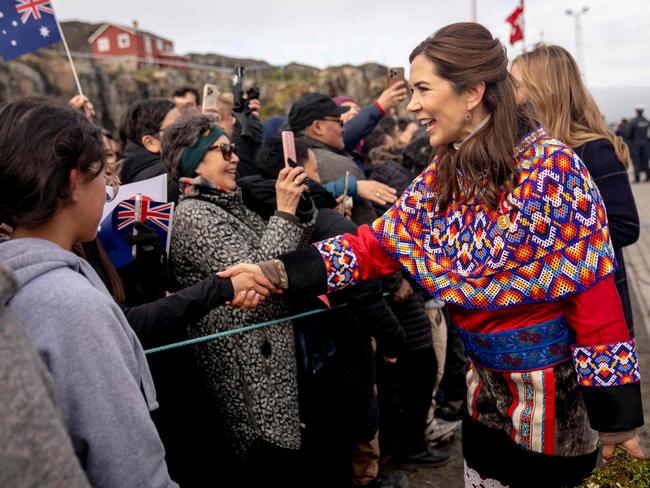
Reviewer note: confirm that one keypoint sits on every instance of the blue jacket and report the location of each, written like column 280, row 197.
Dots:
column 360, row 126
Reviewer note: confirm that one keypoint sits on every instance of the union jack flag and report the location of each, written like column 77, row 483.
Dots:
column 118, row 224
column 33, row 8
column 157, row 213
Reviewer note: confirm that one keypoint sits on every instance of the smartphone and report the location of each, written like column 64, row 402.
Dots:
column 210, row 97
column 289, row 148
column 395, row 75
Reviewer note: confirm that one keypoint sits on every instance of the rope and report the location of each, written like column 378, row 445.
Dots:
column 239, row 330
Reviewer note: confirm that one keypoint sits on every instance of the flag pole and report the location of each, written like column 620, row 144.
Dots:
column 523, row 28
column 67, row 51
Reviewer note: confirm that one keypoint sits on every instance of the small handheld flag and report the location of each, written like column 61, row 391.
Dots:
column 25, row 26
column 120, row 223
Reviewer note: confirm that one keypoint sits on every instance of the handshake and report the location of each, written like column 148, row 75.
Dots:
column 251, row 287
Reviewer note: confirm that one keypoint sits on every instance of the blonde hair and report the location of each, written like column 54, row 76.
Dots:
column 561, row 101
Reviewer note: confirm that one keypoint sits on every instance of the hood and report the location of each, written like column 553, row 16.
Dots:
column 30, row 258
column 136, row 160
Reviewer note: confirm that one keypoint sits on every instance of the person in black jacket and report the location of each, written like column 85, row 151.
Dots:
column 189, row 444
column 336, row 361
column 141, row 133
column 637, row 134
column 568, row 113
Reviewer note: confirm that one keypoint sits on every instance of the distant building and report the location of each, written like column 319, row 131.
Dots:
column 130, row 45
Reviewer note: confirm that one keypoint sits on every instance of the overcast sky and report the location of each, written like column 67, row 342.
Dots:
column 332, row 32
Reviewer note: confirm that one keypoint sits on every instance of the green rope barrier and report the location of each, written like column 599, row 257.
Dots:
column 239, row 330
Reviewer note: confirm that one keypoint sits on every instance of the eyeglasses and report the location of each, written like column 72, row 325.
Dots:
column 112, row 187
column 227, row 150
column 338, row 121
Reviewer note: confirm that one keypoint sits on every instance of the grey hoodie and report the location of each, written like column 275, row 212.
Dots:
column 102, row 381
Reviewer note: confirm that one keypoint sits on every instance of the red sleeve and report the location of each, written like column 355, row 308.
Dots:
column 596, row 315
column 349, row 258
column 374, row 262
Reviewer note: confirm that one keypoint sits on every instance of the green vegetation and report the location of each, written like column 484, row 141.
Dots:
column 622, row 471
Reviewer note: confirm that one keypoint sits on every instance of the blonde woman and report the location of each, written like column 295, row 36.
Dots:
column 549, row 79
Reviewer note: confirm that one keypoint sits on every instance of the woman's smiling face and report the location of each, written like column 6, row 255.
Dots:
column 436, row 104
column 218, row 170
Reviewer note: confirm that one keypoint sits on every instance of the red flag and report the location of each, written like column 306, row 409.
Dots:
column 516, row 21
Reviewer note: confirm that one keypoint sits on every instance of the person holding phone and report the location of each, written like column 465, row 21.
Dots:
column 358, row 123
column 251, row 375
column 508, row 228
column 316, row 119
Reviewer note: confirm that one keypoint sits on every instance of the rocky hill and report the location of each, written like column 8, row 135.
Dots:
column 112, row 88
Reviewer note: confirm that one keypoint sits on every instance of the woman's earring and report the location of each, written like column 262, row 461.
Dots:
column 468, row 117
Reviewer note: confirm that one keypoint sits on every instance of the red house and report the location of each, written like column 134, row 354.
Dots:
column 116, row 41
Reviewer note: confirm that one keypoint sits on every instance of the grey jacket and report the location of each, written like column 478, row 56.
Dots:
column 332, row 165
column 102, row 381
column 252, row 375
column 35, row 449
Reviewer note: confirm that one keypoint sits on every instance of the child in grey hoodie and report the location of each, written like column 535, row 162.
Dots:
column 52, row 190
column 103, row 384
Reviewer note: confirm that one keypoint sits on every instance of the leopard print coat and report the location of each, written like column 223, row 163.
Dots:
column 252, row 375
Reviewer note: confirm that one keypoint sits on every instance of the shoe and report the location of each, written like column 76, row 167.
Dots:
column 440, row 431
column 450, row 412
column 431, row 456
column 396, row 479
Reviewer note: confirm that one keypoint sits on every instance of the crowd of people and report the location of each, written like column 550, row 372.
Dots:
column 465, row 264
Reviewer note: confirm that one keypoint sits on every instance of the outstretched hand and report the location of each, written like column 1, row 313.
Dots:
column 376, row 192
column 250, row 285
column 631, row 446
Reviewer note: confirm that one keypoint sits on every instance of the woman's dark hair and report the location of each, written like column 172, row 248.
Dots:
column 375, row 139
column 466, row 54
column 417, row 155
column 40, row 143
column 180, row 135
column 403, row 123
column 184, row 90
column 144, row 118
column 270, row 157
column 387, row 125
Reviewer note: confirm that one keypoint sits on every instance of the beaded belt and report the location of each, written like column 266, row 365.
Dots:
column 526, row 349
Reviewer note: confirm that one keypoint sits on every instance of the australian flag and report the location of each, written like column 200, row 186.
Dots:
column 119, row 223
column 25, row 26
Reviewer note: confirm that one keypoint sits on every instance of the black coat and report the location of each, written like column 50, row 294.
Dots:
column 138, row 164
column 410, row 312
column 613, row 183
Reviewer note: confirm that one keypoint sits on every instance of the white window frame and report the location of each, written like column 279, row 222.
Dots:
column 123, row 41
column 160, row 45
column 103, row 44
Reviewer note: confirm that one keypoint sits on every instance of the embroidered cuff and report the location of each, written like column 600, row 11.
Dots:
column 608, row 375
column 606, row 365
column 341, row 264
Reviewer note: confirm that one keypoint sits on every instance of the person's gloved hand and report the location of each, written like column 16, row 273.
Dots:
column 150, row 262
column 247, row 124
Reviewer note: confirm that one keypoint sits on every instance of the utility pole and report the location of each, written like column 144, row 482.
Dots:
column 577, row 14
column 473, row 14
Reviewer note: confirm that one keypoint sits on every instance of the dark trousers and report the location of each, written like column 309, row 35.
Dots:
column 405, row 391
column 453, row 385
column 640, row 153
